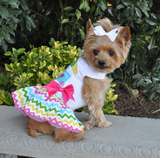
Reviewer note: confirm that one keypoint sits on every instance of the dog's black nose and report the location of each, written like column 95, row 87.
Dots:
column 101, row 63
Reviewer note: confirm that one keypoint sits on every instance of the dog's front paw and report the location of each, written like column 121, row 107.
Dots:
column 88, row 124
column 104, row 124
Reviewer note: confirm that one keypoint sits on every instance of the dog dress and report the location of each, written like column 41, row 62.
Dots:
column 55, row 102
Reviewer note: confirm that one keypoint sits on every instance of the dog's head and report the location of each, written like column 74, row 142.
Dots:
column 100, row 52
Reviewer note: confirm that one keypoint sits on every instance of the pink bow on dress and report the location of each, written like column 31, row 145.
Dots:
column 67, row 92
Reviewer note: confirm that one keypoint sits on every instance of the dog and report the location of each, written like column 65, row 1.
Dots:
column 105, row 48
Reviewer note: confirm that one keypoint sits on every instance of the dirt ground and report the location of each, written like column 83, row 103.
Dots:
column 129, row 105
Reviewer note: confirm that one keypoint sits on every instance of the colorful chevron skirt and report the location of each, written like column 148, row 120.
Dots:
column 34, row 102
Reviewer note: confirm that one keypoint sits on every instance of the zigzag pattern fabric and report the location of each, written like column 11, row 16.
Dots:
column 35, row 103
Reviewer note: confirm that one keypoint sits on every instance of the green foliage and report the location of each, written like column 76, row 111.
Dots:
column 23, row 23
column 36, row 67
column 5, row 81
column 40, row 65
column 67, row 20
column 109, row 107
column 141, row 69
column 5, row 96
column 13, row 13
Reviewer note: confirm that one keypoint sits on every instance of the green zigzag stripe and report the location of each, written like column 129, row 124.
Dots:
column 80, row 124
column 65, row 115
column 25, row 94
column 61, row 116
column 44, row 107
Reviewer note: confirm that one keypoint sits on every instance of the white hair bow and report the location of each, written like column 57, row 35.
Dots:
column 99, row 31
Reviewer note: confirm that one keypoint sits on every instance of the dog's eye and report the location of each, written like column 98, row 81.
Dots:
column 111, row 53
column 95, row 52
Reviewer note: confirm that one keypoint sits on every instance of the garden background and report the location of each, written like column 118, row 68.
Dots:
column 39, row 39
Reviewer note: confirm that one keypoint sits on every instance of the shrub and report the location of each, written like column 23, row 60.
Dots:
column 109, row 107
column 35, row 67
column 24, row 22
column 40, row 65
column 141, row 69
column 13, row 14
column 6, row 87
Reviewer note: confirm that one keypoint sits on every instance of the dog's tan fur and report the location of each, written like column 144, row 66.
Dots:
column 35, row 128
column 93, row 90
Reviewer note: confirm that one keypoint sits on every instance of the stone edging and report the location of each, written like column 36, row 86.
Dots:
column 127, row 138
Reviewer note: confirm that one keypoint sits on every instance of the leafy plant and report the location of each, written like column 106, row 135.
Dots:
column 109, row 107
column 70, row 24
column 6, row 86
column 141, row 69
column 23, row 23
column 5, row 97
column 13, row 13
column 36, row 67
column 40, row 65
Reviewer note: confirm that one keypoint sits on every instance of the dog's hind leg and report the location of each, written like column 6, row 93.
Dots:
column 35, row 128
column 62, row 134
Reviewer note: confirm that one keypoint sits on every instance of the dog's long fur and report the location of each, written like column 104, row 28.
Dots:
column 93, row 90
column 35, row 128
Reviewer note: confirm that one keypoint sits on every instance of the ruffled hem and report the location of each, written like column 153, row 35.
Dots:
column 52, row 124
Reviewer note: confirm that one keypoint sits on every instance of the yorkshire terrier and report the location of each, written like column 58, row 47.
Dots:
column 105, row 49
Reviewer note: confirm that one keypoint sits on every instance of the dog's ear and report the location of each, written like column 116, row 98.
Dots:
column 89, row 26
column 125, row 33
